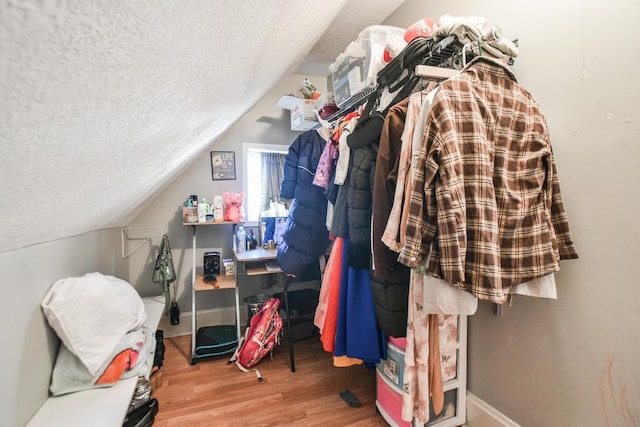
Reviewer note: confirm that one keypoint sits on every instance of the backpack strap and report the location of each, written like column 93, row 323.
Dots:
column 243, row 369
column 234, row 357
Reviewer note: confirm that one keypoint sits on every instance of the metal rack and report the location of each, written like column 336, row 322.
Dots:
column 399, row 75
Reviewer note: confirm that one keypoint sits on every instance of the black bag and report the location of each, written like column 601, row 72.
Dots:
column 158, row 356
column 174, row 313
column 143, row 416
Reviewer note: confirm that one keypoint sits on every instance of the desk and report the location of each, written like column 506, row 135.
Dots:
column 254, row 263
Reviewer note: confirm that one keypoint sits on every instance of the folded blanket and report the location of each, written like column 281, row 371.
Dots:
column 71, row 375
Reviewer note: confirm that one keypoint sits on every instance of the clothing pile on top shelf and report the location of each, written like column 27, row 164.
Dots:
column 441, row 197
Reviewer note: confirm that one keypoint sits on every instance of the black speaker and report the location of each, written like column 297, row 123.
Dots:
column 211, row 266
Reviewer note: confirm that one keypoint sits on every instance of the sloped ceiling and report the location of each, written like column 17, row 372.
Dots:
column 105, row 102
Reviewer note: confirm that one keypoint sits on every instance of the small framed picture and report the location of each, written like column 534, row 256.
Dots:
column 223, row 165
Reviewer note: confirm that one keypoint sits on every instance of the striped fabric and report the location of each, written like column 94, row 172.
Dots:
column 486, row 190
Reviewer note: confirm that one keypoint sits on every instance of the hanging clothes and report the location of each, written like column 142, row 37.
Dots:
column 422, row 384
column 363, row 143
column 487, row 186
column 344, row 151
column 440, row 297
column 326, row 314
column 387, row 170
column 357, row 332
column 305, row 237
column 390, row 279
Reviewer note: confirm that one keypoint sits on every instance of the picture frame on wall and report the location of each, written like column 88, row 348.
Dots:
column 223, row 165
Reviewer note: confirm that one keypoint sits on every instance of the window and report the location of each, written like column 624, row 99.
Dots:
column 255, row 182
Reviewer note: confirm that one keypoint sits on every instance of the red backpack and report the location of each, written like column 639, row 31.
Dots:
column 260, row 338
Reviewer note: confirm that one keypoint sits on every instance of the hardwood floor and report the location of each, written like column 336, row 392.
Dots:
column 212, row 393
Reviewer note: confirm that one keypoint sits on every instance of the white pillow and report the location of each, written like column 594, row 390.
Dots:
column 92, row 313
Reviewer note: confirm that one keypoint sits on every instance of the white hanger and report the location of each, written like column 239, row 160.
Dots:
column 437, row 73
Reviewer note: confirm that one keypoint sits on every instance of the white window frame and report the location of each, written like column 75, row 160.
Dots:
column 250, row 175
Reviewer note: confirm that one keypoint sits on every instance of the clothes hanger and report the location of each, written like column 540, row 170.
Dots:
column 435, row 73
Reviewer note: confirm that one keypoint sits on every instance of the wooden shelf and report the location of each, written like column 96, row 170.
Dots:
column 255, row 261
column 258, row 254
column 213, row 223
column 259, row 270
column 222, row 282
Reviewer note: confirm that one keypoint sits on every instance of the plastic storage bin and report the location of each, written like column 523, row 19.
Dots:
column 355, row 69
column 393, row 366
column 389, row 404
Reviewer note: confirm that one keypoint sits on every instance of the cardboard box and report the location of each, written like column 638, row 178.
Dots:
column 303, row 115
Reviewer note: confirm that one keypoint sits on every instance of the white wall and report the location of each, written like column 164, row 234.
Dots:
column 29, row 345
column 574, row 361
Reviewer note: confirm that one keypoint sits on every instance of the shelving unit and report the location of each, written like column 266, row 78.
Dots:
column 214, row 340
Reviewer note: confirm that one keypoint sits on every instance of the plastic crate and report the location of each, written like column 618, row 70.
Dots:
column 216, row 340
column 356, row 68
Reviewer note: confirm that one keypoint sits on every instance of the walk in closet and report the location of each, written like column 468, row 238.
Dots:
column 462, row 157
column 448, row 196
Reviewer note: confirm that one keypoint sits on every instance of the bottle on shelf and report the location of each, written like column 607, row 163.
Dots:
column 252, row 242
column 203, row 209
column 241, row 240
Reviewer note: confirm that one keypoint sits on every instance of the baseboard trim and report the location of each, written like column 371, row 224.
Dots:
column 481, row 414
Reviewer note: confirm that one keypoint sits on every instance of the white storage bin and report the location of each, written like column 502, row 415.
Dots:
column 393, row 366
column 356, row 68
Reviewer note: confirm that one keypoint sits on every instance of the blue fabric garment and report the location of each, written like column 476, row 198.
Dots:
column 305, row 236
column 357, row 331
column 340, row 348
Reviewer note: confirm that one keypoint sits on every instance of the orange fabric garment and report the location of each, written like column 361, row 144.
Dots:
column 436, row 387
column 332, row 278
column 323, row 298
column 346, row 361
column 116, row 368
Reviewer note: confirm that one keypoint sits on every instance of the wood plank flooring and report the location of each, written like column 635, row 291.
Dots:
column 212, row 393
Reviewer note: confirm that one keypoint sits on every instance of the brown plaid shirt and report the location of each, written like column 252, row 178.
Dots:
column 486, row 211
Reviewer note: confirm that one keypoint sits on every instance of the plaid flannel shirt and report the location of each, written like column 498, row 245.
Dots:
column 486, row 211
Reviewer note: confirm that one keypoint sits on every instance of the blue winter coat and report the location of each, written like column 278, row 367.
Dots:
column 306, row 236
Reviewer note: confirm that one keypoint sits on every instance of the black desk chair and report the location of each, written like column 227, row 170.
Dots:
column 299, row 306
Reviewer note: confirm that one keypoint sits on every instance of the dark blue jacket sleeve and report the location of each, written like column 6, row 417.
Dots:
column 290, row 178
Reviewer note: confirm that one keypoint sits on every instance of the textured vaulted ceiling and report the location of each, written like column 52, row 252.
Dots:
column 105, row 102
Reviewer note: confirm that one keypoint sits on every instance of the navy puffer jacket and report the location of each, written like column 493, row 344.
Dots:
column 306, row 236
